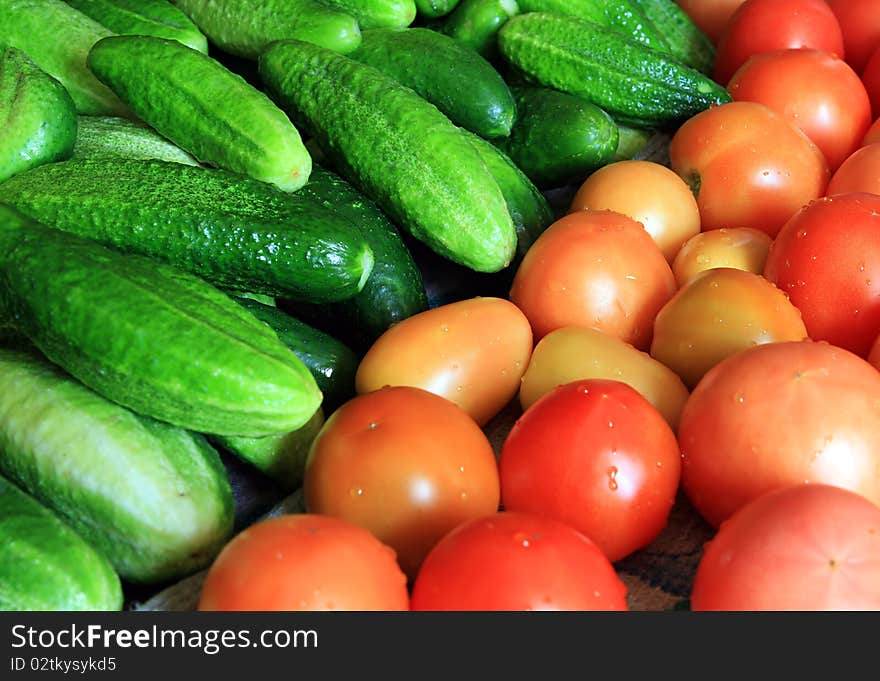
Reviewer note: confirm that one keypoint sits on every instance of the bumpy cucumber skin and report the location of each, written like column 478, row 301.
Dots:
column 203, row 108
column 157, row 18
column 634, row 83
column 484, row 105
column 109, row 137
column 128, row 328
column 685, row 39
column 37, row 116
column 399, row 149
column 432, row 9
column 238, row 233
column 246, row 28
column 58, row 39
column 377, row 13
column 45, row 565
column 475, row 23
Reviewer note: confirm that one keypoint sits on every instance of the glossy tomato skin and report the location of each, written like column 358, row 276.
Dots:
column 859, row 173
column 304, row 562
column 871, row 79
column 598, row 269
column 472, row 352
column 804, row 547
column 516, row 561
column 596, row 455
column 833, row 110
column 827, row 259
column 860, row 24
column 749, row 167
column 765, row 25
column 873, row 135
column 740, row 248
column 407, row 465
column 776, row 415
column 710, row 15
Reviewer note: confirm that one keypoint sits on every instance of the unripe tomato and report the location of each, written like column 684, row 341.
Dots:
column 739, row 248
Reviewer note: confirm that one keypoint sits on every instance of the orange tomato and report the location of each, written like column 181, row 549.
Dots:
column 873, row 135
column 859, row 173
column 739, row 248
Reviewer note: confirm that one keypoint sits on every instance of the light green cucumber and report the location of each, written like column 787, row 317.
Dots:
column 108, row 137
column 631, row 141
column 377, row 13
column 475, row 23
column 431, row 9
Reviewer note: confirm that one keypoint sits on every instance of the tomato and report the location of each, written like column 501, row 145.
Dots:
column 719, row 313
column 577, row 352
column 748, row 166
column 834, row 111
column 594, row 268
column 780, row 414
column 874, row 355
column 871, row 80
column 740, row 248
column 305, row 562
column 827, row 259
column 596, row 455
column 860, row 23
column 517, row 561
column 859, row 173
column 664, row 204
column 804, row 547
column 472, row 352
column 765, row 25
column 873, row 135
column 710, row 15
column 404, row 463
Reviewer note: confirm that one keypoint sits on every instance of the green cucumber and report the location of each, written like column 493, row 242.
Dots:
column 475, row 23
column 432, row 9
column 203, row 108
column 147, row 336
column 377, row 13
column 37, row 116
column 45, row 565
column 235, row 232
column 634, row 83
column 631, row 141
column 245, row 28
column 399, row 149
column 58, row 38
column 558, row 138
column 685, row 39
column 108, row 137
column 157, row 18
column 485, row 106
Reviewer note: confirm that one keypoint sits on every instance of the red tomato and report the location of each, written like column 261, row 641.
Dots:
column 765, row 25
column 596, row 455
column 516, row 561
column 874, row 355
column 873, row 135
column 805, row 547
column 827, row 259
column 859, row 173
column 305, row 562
column 404, row 463
column 780, row 414
column 748, row 166
column 834, row 111
column 710, row 15
column 860, row 23
column 871, row 79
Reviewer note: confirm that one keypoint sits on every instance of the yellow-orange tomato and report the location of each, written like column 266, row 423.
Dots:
column 739, row 247
column 718, row 314
column 859, row 173
column 594, row 268
column 648, row 193
column 576, row 352
column 472, row 352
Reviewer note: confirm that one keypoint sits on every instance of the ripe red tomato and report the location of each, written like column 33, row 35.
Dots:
column 871, row 79
column 780, row 414
column 805, row 547
column 873, row 135
column 859, row 173
column 710, row 15
column 827, row 259
column 860, row 23
column 596, row 455
column 516, row 561
column 765, row 25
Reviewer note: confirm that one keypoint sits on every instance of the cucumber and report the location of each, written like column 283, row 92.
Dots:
column 685, row 39
column 475, row 23
column 377, row 13
column 157, row 18
column 37, row 116
column 399, row 149
column 637, row 85
column 432, row 9
column 108, row 137
column 149, row 337
column 246, row 27
column 631, row 142
column 485, row 106
column 203, row 108
column 152, row 498
column 238, row 233
column 558, row 138
column 45, row 565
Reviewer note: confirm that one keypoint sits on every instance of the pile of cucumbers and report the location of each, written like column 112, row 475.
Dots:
column 192, row 261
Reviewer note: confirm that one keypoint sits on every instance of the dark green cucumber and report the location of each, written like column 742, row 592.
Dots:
column 377, row 13
column 203, row 108
column 44, row 564
column 238, row 233
column 685, row 39
column 484, row 105
column 634, row 83
column 245, row 28
column 147, row 336
column 431, row 9
column 475, row 23
column 631, row 141
column 157, row 18
column 399, row 149
column 558, row 138
column 108, row 137
column 37, row 116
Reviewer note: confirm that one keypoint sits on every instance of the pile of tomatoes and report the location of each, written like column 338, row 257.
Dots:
column 710, row 327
